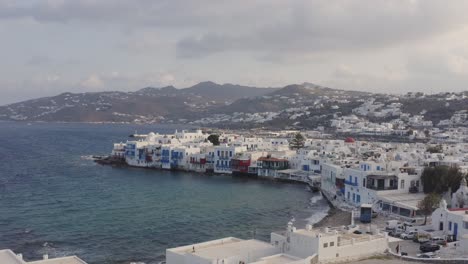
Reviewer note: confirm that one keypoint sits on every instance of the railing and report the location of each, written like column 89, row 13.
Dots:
column 377, row 188
column 351, row 183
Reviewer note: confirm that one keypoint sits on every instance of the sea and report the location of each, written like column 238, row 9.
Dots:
column 55, row 200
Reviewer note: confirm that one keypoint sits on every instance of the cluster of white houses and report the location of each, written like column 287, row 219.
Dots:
column 352, row 173
column 293, row 246
column 386, row 175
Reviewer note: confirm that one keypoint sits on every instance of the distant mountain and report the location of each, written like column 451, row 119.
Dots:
column 210, row 90
column 145, row 105
column 233, row 106
column 295, row 95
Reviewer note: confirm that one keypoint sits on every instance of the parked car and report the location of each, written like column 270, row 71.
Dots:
column 396, row 232
column 421, row 239
column 392, row 224
column 429, row 247
column 357, row 232
column 439, row 241
column 409, row 235
column 427, row 255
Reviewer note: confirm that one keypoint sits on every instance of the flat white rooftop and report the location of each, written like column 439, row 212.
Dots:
column 277, row 259
column 8, row 257
column 231, row 249
column 405, row 200
column 65, row 260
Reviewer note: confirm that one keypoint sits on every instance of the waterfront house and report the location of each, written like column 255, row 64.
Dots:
column 9, row 257
column 331, row 245
column 228, row 250
column 223, row 155
column 269, row 166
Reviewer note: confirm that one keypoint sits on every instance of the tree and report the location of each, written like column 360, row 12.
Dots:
column 429, row 204
column 440, row 179
column 213, row 138
column 435, row 149
column 297, row 142
column 427, row 133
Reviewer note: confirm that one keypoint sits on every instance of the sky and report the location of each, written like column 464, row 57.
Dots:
column 52, row 46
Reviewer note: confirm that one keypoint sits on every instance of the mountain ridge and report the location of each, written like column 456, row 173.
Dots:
column 304, row 105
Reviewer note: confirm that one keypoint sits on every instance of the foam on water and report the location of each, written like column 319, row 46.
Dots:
column 315, row 199
column 319, row 207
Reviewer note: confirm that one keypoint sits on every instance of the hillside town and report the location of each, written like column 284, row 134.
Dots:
column 388, row 178
column 406, row 200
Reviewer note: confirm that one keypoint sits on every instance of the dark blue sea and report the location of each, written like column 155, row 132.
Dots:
column 55, row 200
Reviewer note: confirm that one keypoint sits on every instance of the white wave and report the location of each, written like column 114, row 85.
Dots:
column 87, row 157
column 317, row 216
column 315, row 199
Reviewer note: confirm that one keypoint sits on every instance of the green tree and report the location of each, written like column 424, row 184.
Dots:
column 435, row 149
column 297, row 142
column 213, row 138
column 440, row 179
column 429, row 204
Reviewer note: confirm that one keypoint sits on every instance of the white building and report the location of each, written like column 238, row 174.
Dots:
column 331, row 245
column 450, row 221
column 223, row 155
column 228, row 250
column 367, row 183
column 8, row 257
column 460, row 197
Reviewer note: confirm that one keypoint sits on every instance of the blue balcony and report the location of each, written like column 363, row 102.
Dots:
column 351, row 183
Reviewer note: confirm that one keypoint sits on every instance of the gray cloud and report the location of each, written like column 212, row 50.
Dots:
column 316, row 26
column 77, row 45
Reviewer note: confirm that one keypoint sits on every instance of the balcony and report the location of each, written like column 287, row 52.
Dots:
column 381, row 188
column 351, row 183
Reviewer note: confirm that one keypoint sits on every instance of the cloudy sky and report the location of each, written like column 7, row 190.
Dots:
column 53, row 46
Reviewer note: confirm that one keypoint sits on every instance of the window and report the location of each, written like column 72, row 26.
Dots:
column 332, row 244
column 364, row 182
column 465, row 225
column 325, row 245
column 450, row 226
column 402, row 184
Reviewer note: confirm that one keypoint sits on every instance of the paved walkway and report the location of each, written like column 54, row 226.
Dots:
column 384, row 261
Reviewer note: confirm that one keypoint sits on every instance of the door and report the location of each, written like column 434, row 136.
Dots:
column 455, row 231
column 380, row 184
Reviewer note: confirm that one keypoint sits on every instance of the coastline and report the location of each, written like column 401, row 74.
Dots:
column 335, row 217
column 332, row 217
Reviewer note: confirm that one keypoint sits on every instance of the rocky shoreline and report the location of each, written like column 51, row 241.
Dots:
column 335, row 217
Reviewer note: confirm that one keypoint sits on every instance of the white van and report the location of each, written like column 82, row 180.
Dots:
column 392, row 224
